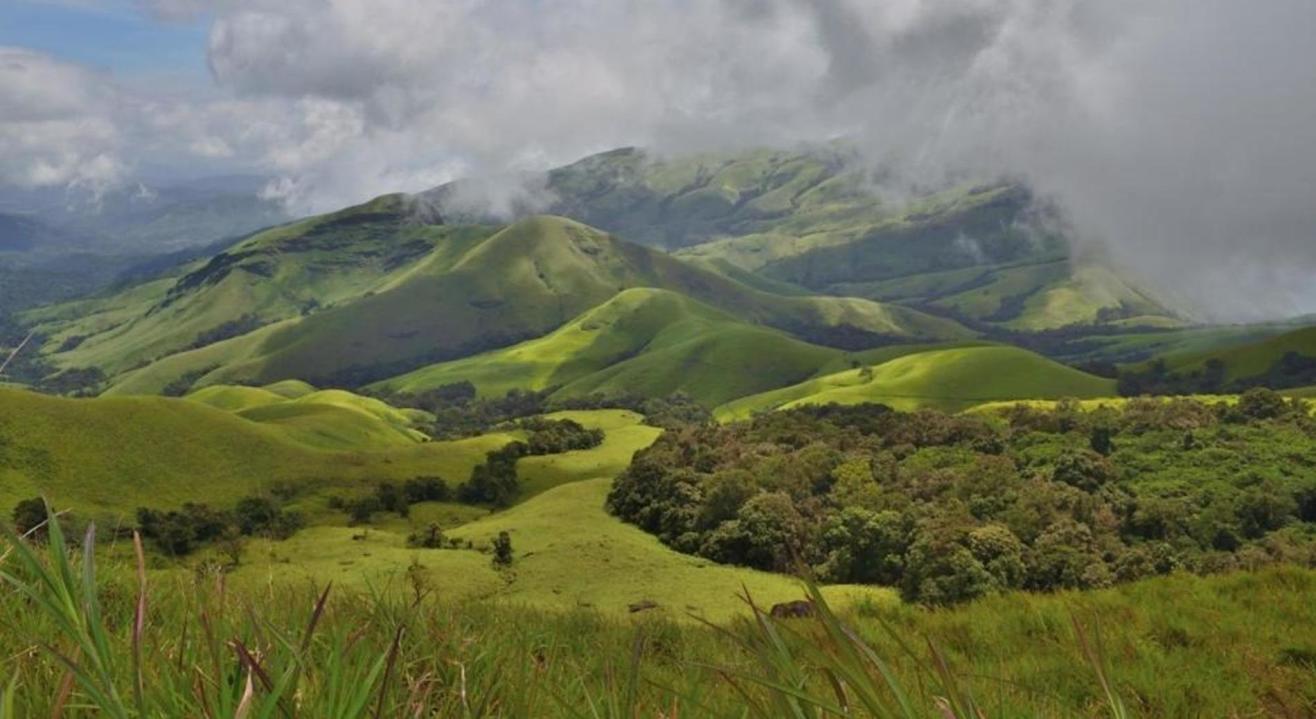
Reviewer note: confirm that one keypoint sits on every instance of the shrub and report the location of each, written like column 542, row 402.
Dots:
column 502, row 550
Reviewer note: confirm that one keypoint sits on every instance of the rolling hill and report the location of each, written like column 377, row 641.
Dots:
column 813, row 218
column 642, row 342
column 111, row 455
column 131, row 452
column 279, row 274
column 332, row 419
column 372, row 292
column 947, row 379
column 1250, row 360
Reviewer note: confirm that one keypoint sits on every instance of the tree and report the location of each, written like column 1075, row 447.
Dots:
column 362, row 509
column 30, row 515
column 232, row 545
column 392, row 499
column 426, row 489
column 1086, row 470
column 865, row 546
column 502, row 550
column 263, row 515
column 1101, row 439
column 431, row 537
column 1260, row 403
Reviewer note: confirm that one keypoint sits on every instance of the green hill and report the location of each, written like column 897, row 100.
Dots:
column 1252, row 359
column 948, row 379
column 278, row 274
column 473, row 291
column 111, row 455
column 131, row 452
column 644, row 342
column 332, row 419
column 811, row 218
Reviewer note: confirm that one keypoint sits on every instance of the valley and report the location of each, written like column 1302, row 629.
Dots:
column 682, row 385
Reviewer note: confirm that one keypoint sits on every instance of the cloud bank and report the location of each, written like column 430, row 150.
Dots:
column 1181, row 134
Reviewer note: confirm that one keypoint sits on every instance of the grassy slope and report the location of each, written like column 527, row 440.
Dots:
column 807, row 219
column 130, row 452
column 522, row 282
column 947, row 379
column 1137, row 347
column 330, row 419
column 273, row 275
column 645, row 342
column 111, row 455
column 1250, row 359
column 570, row 551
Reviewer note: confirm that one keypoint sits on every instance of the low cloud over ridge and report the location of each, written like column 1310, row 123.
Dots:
column 1180, row 134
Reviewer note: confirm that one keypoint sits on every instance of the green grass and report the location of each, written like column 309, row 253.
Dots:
column 1251, row 359
column 81, row 633
column 108, row 456
column 644, row 342
column 571, row 552
column 362, row 294
column 271, row 276
column 330, row 419
column 947, row 379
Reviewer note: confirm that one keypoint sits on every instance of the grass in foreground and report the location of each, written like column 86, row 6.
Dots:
column 112, row 643
column 120, row 649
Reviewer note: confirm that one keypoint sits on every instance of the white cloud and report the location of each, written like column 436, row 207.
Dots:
column 54, row 123
column 1182, row 133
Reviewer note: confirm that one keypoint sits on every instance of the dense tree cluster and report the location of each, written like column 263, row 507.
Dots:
column 555, row 436
column 459, row 413
column 179, row 532
column 494, row 481
column 952, row 507
column 1291, row 370
column 390, row 497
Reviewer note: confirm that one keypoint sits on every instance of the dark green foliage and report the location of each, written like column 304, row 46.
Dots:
column 494, row 481
column 77, row 382
column 264, row 516
column 1259, row 403
column 502, row 550
column 1290, row 370
column 362, row 509
column 1101, row 440
column 184, row 383
column 392, row 499
column 182, row 531
column 431, row 537
column 30, row 517
column 554, row 436
column 460, row 414
column 426, row 489
column 953, row 507
column 228, row 330
column 389, row 497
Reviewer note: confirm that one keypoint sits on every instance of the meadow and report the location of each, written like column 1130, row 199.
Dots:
column 110, row 641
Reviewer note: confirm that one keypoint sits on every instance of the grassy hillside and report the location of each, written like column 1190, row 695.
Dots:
column 1251, row 359
column 948, row 379
column 471, row 294
column 274, row 275
column 111, row 455
column 644, row 342
column 571, row 552
column 130, row 452
column 812, row 218
column 332, row 419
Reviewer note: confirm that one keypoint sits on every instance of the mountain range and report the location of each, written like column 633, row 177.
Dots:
column 722, row 276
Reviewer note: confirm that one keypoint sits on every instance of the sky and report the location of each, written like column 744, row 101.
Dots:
column 1178, row 135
